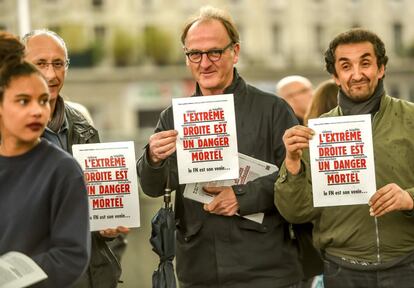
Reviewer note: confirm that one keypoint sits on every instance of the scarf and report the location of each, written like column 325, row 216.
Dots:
column 58, row 116
column 369, row 106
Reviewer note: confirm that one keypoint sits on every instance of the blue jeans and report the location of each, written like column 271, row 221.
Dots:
column 336, row 276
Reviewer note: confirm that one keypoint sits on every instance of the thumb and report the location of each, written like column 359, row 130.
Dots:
column 212, row 189
column 211, row 206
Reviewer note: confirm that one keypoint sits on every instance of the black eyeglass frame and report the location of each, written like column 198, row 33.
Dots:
column 209, row 53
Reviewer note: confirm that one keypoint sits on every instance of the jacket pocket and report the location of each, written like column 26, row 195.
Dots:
column 246, row 224
column 189, row 232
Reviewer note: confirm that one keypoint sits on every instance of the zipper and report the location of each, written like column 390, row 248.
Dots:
column 375, row 218
column 378, row 244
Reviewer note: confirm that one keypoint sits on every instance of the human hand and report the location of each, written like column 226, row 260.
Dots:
column 161, row 146
column 389, row 198
column 295, row 140
column 224, row 203
column 114, row 232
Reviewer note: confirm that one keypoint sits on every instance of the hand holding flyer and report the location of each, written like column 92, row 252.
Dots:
column 111, row 181
column 342, row 160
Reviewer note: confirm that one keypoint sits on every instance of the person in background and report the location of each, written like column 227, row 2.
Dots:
column 43, row 196
column 215, row 247
column 47, row 51
column 363, row 245
column 324, row 99
column 297, row 91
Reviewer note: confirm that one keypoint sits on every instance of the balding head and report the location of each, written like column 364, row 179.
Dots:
column 48, row 52
column 297, row 91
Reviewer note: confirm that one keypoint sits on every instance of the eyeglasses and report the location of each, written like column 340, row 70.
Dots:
column 57, row 65
column 213, row 55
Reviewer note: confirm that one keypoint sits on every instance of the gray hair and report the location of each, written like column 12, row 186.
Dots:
column 207, row 13
column 49, row 33
column 292, row 79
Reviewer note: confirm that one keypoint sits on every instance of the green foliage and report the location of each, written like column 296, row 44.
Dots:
column 158, row 45
column 123, row 47
column 75, row 37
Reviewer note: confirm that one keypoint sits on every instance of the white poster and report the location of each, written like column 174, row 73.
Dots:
column 18, row 270
column 342, row 160
column 207, row 138
column 250, row 169
column 111, row 181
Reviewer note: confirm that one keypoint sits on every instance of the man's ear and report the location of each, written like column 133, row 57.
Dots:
column 236, row 51
column 381, row 72
column 335, row 78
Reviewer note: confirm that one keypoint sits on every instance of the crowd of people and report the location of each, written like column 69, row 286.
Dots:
column 351, row 246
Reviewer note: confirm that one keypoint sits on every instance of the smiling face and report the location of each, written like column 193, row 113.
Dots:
column 24, row 110
column 212, row 77
column 357, row 71
column 44, row 48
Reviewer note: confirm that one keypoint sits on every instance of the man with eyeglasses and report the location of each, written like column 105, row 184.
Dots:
column 216, row 248
column 67, row 126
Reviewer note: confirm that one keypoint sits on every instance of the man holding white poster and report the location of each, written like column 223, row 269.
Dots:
column 67, row 126
column 215, row 247
column 363, row 245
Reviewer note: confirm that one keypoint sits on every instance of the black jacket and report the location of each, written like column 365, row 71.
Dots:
column 104, row 269
column 218, row 251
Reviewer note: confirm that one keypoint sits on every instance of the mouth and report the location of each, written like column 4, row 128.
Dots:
column 35, row 126
column 208, row 73
column 359, row 84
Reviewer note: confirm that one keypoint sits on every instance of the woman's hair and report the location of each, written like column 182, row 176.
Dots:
column 324, row 99
column 12, row 63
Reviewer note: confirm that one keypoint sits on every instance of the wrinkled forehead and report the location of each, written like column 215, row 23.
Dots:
column 207, row 34
column 44, row 47
column 351, row 51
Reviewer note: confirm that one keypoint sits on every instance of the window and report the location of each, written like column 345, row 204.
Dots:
column 148, row 118
column 100, row 33
column 411, row 94
column 319, row 47
column 395, row 91
column 97, row 3
column 277, row 39
column 397, row 34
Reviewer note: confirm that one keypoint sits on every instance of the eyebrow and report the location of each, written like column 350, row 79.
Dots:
column 365, row 55
column 30, row 96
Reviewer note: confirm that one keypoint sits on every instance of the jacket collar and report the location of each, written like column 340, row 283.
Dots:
column 236, row 85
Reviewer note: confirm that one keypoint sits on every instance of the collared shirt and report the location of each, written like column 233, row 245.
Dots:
column 60, row 138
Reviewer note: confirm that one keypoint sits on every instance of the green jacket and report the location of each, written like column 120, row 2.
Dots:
column 349, row 231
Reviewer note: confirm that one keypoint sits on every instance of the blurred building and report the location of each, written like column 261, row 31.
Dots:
column 127, row 61
column 132, row 61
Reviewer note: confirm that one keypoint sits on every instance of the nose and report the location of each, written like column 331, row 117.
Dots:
column 37, row 110
column 357, row 73
column 205, row 61
column 49, row 72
